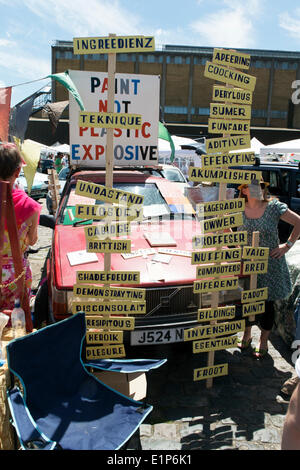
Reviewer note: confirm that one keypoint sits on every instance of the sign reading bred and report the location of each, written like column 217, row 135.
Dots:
column 232, row 77
column 255, row 267
column 227, row 111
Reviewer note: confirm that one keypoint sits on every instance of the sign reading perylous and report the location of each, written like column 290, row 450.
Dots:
column 136, row 104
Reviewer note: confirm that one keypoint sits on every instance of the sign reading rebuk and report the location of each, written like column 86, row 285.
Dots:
column 136, row 147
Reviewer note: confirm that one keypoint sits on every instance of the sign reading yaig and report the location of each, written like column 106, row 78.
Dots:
column 113, row 44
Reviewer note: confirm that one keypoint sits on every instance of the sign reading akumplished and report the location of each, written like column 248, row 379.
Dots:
column 205, row 373
column 250, row 252
column 254, row 294
column 110, row 120
column 111, row 337
column 224, row 126
column 223, row 74
column 109, row 212
column 234, row 59
column 111, row 323
column 227, row 111
column 222, row 175
column 106, row 194
column 255, row 267
column 217, row 270
column 228, row 159
column 216, row 256
column 208, row 331
column 220, row 207
column 220, row 239
column 221, row 223
column 215, row 344
column 110, row 308
column 108, row 277
column 231, row 95
column 99, row 352
column 253, row 308
column 108, row 246
column 113, row 44
column 226, row 144
column 214, row 285
column 213, row 314
column 116, row 293
column 102, row 231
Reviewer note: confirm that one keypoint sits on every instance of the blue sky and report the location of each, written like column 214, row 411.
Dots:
column 28, row 28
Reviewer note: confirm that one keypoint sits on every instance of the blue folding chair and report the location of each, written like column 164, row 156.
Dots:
column 63, row 405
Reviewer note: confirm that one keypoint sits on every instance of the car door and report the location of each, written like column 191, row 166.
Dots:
column 295, row 190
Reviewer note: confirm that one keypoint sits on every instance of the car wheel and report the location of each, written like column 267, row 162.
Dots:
column 41, row 308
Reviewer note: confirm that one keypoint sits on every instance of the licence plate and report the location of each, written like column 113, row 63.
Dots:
column 169, row 335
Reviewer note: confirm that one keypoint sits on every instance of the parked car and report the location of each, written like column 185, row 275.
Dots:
column 62, row 176
column 45, row 165
column 39, row 187
column 171, row 305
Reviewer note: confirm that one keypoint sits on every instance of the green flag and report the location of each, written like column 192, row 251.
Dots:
column 65, row 80
column 163, row 133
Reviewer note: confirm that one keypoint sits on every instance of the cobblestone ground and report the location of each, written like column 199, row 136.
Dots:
column 242, row 411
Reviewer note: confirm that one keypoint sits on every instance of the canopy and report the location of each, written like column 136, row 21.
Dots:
column 290, row 146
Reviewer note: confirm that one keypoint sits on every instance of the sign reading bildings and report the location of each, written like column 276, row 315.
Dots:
column 216, row 256
column 108, row 277
column 220, row 239
column 213, row 314
column 205, row 373
column 224, row 126
column 255, row 267
column 254, row 294
column 221, row 223
column 215, row 344
column 250, row 252
column 106, row 194
column 222, row 175
column 220, row 329
column 230, row 58
column 227, row 111
column 214, row 285
column 113, row 44
column 217, row 270
column 220, row 207
column 228, row 159
column 236, row 78
column 132, row 146
column 232, row 95
column 226, row 144
column 102, row 352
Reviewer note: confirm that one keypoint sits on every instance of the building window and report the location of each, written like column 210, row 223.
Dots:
column 176, row 109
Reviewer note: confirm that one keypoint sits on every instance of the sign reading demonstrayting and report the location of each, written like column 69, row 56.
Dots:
column 112, row 337
column 102, row 231
column 216, row 256
column 220, row 329
column 231, row 58
column 226, row 283
column 224, row 126
column 108, row 277
column 218, row 270
column 220, row 239
column 231, row 95
column 109, row 212
column 222, row 176
column 242, row 158
column 103, row 193
column 254, row 308
column 219, row 313
column 214, row 344
column 220, row 223
column 256, row 267
column 224, row 111
column 205, row 373
column 225, row 144
column 125, row 307
column 110, row 120
column 250, row 252
column 232, row 77
column 108, row 246
column 96, row 352
column 85, row 290
column 112, row 323
column 254, row 294
column 115, row 44
column 220, row 207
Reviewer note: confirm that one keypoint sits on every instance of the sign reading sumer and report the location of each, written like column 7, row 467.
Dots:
column 232, row 77
column 223, row 175
column 103, row 193
column 227, row 111
column 113, row 44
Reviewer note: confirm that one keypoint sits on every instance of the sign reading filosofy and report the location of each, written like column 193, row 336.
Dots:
column 134, row 95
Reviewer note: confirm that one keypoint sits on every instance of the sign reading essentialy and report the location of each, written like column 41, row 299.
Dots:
column 131, row 146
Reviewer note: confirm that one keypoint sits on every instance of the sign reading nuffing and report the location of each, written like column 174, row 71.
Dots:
column 221, row 73
column 108, row 277
column 223, row 176
column 231, row 95
column 227, row 111
column 86, row 291
column 216, row 256
column 241, row 158
column 106, row 194
column 220, row 223
column 220, row 239
column 225, row 144
column 205, row 373
column 220, row 207
column 254, row 294
column 226, row 283
column 109, row 212
column 116, row 44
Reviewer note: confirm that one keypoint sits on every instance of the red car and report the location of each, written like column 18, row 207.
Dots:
column 164, row 263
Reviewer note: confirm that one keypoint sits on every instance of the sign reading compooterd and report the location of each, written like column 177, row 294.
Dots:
column 135, row 117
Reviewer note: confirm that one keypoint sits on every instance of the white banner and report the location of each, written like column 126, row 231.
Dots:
column 134, row 94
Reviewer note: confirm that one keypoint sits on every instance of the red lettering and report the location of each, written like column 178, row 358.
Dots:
column 105, row 85
column 99, row 151
column 93, row 133
column 87, row 150
column 102, row 106
column 143, row 130
column 82, row 130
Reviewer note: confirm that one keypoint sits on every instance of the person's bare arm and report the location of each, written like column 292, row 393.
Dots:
column 32, row 235
column 293, row 219
column 291, row 428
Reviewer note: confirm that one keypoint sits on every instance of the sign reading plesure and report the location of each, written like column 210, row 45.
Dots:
column 220, row 329
column 231, row 95
column 216, row 256
column 231, row 58
column 232, row 77
column 205, row 373
column 103, row 193
column 254, row 308
column 112, row 337
column 125, row 307
column 109, row 212
column 99, row 352
column 218, row 270
column 220, row 223
column 222, row 239
column 219, row 313
column 226, row 283
column 110, row 120
column 108, row 246
column 87, row 291
column 108, row 277
column 214, row 344
column 101, row 231
column 220, row 207
column 242, row 158
column 255, row 267
column 222, row 175
column 225, row 144
column 254, row 294
column 131, row 146
column 224, row 126
column 250, row 252
column 112, row 323
column 114, row 44
column 227, row 111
